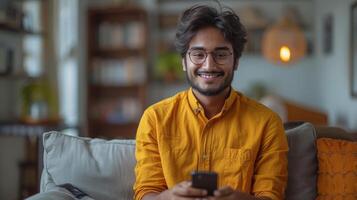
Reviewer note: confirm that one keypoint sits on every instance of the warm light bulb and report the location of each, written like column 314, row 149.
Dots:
column 285, row 54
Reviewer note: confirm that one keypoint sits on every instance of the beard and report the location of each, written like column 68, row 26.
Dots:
column 226, row 83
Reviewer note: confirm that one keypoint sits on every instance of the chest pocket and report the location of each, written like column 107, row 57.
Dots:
column 238, row 168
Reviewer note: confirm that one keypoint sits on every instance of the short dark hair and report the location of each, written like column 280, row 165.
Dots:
column 201, row 16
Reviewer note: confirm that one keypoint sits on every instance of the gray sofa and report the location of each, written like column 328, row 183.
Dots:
column 104, row 170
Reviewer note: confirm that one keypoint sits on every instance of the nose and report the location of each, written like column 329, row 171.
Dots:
column 209, row 62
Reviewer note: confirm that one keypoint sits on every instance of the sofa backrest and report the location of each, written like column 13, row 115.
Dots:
column 302, row 161
column 105, row 169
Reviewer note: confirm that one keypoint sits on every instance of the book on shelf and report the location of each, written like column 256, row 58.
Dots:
column 119, row 35
column 118, row 111
column 128, row 71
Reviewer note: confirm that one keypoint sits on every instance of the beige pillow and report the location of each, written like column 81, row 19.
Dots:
column 104, row 169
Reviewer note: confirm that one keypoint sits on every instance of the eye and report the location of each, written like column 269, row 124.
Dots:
column 198, row 54
column 221, row 54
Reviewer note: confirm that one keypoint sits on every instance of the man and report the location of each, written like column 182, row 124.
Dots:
column 210, row 127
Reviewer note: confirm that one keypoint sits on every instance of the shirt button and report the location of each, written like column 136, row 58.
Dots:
column 205, row 157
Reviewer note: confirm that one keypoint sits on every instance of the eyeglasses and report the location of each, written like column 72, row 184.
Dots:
column 199, row 56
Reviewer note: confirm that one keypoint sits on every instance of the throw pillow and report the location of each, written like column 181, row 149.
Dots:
column 104, row 169
column 56, row 193
column 337, row 174
column 302, row 165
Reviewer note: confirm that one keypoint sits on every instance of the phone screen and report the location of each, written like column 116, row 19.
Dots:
column 205, row 180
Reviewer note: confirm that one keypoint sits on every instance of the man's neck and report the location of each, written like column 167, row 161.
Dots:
column 212, row 104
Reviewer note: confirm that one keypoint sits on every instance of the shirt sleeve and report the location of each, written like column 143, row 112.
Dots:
column 148, row 170
column 271, row 173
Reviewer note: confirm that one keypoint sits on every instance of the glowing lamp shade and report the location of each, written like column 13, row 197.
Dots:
column 284, row 42
column 285, row 54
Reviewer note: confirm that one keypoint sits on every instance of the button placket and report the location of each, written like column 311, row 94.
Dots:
column 204, row 155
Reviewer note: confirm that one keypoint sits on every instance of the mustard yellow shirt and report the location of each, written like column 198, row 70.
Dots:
column 245, row 144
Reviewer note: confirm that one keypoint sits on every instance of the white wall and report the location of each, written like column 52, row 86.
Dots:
column 334, row 69
column 320, row 81
column 295, row 82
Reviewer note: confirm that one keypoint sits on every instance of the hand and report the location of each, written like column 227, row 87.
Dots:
column 181, row 191
column 184, row 189
column 227, row 193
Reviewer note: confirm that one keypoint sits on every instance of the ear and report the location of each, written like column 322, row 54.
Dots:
column 235, row 67
column 183, row 64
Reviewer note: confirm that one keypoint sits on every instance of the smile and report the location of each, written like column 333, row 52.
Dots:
column 208, row 75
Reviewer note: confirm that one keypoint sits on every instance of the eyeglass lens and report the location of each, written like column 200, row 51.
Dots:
column 199, row 56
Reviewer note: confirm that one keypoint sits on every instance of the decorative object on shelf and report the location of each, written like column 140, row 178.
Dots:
column 257, row 90
column 284, row 42
column 353, row 51
column 169, row 68
column 14, row 16
column 18, row 16
column 38, row 104
column 6, row 60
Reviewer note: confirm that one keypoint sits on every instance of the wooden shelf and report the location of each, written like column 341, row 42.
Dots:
column 102, row 90
column 118, row 53
column 14, row 29
column 22, row 76
column 129, row 12
column 104, row 129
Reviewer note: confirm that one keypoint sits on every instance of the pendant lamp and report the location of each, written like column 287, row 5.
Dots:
column 284, row 43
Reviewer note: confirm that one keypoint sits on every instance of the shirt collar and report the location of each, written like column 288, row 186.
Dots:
column 197, row 107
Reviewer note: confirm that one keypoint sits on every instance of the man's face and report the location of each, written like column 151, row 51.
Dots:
column 213, row 74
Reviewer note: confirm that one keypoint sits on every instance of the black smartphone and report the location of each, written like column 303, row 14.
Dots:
column 205, row 180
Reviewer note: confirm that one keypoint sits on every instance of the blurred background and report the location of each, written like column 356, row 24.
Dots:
column 90, row 68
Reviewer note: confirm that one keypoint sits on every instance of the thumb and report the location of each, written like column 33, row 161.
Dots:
column 223, row 191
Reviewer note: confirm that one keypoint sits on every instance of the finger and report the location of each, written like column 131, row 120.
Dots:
column 223, row 191
column 183, row 190
column 190, row 198
column 187, row 183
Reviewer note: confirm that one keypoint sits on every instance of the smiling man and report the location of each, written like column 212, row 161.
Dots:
column 210, row 127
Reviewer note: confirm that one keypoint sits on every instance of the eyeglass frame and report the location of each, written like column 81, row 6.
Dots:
column 206, row 55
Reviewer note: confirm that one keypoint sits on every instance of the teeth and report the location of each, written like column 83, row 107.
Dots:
column 209, row 75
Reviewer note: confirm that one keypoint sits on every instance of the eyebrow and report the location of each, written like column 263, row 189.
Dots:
column 217, row 48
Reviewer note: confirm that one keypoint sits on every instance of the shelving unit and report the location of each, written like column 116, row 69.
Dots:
column 15, row 29
column 117, row 70
column 28, row 27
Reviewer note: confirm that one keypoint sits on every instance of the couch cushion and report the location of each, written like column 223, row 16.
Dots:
column 337, row 178
column 104, row 169
column 56, row 193
column 302, row 161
